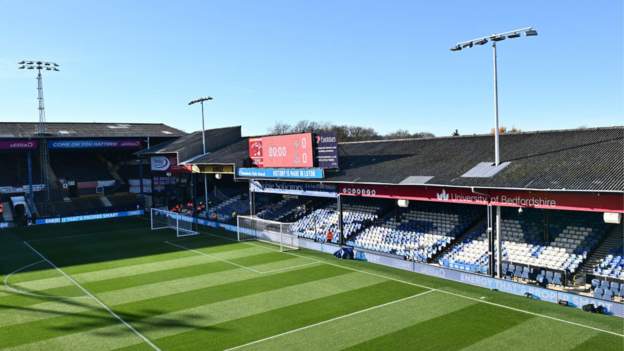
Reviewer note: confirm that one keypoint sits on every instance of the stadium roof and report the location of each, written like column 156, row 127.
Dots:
column 579, row 159
column 89, row 130
column 190, row 145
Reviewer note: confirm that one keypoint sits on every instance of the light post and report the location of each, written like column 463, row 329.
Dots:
column 41, row 127
column 201, row 101
column 494, row 38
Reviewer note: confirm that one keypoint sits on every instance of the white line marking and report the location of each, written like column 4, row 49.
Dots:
column 136, row 332
column 29, row 293
column 330, row 320
column 240, row 265
column 445, row 291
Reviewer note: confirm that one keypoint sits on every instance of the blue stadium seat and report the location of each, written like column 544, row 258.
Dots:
column 525, row 273
column 557, row 279
column 549, row 277
column 608, row 294
column 598, row 293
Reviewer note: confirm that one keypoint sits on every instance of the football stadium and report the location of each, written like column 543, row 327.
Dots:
column 355, row 228
column 131, row 236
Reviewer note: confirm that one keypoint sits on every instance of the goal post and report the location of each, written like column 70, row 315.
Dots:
column 181, row 224
column 274, row 232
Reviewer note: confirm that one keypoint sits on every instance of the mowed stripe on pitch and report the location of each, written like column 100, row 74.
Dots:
column 141, row 279
column 135, row 288
column 101, row 271
column 240, row 331
column 82, row 257
column 352, row 330
column 136, row 311
column 202, row 317
column 467, row 326
column 538, row 333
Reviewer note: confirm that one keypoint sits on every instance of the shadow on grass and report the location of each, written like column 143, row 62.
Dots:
column 73, row 244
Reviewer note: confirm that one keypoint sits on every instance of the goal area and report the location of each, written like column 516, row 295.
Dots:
column 274, row 232
column 181, row 224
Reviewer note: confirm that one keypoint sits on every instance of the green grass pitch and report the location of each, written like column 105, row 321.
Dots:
column 110, row 285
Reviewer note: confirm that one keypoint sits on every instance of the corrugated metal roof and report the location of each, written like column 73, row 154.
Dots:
column 90, row 130
column 579, row 159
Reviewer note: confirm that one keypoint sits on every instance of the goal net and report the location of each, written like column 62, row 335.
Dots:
column 255, row 228
column 163, row 219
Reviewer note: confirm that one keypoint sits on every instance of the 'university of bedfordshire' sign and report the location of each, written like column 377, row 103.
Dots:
column 596, row 202
column 282, row 173
column 94, row 144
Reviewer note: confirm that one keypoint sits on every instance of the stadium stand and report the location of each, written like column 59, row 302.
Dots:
column 547, row 252
column 17, row 174
column 79, row 166
column 322, row 224
column 284, row 210
column 418, row 233
column 227, row 210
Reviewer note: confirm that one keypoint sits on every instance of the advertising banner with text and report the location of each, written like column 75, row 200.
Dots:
column 15, row 144
column 581, row 201
column 94, row 144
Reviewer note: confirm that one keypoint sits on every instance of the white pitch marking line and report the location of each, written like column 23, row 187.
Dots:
column 450, row 293
column 136, row 332
column 240, row 265
column 29, row 293
column 330, row 320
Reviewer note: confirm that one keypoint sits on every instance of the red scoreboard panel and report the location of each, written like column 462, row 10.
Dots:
column 282, row 151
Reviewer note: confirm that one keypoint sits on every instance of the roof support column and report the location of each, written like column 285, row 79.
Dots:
column 30, row 178
column 490, row 239
column 252, row 200
column 499, row 248
column 340, row 223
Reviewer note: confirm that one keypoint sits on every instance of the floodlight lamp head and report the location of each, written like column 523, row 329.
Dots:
column 497, row 38
column 513, row 35
column 467, row 45
column 456, row 48
column 481, row 41
column 530, row 33
column 201, row 99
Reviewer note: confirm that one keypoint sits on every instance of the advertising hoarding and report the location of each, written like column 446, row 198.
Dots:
column 282, row 151
column 94, row 143
column 16, row 144
column 282, row 173
column 596, row 202
column 290, row 188
column 162, row 163
column 326, row 150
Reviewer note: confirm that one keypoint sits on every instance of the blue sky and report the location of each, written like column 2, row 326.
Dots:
column 382, row 64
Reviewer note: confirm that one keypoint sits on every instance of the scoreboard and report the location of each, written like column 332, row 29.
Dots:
column 282, row 151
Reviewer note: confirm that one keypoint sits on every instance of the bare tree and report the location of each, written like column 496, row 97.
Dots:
column 343, row 132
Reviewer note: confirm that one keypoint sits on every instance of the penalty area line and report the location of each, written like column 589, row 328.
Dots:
column 88, row 293
column 331, row 320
